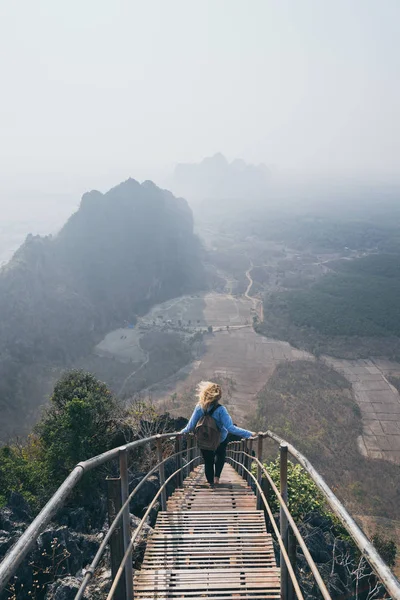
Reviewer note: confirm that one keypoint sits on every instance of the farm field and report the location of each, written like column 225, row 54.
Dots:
column 379, row 402
column 238, row 356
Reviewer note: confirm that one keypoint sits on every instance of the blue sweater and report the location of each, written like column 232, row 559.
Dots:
column 223, row 420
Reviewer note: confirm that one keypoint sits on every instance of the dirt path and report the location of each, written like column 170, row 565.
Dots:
column 247, row 292
column 257, row 304
column 132, row 375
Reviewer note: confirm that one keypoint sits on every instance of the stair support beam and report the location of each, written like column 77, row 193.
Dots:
column 126, row 521
column 259, row 472
column 117, row 545
column 161, row 472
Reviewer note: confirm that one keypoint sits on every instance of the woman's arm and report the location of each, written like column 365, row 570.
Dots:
column 193, row 420
column 228, row 423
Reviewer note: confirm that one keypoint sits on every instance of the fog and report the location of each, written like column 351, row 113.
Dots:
column 96, row 91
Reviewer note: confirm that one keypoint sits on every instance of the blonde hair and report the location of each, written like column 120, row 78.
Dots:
column 208, row 392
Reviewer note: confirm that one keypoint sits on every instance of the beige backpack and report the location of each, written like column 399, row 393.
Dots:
column 207, row 434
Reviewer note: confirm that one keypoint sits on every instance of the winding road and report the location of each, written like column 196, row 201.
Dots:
column 257, row 304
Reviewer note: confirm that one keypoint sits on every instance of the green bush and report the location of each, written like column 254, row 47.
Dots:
column 22, row 471
column 80, row 423
column 303, row 495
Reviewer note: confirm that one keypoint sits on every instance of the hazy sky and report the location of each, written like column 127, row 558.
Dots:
column 93, row 91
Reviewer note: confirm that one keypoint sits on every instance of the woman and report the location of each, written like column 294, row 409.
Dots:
column 209, row 395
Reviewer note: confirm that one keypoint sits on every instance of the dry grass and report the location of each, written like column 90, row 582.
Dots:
column 312, row 406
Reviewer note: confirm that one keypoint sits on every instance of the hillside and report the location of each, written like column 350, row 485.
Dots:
column 312, row 406
column 352, row 311
column 117, row 255
column 214, row 177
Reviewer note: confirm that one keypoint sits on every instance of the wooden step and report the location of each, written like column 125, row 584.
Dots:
column 210, row 543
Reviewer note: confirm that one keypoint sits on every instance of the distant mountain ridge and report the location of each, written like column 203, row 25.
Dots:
column 215, row 177
column 121, row 252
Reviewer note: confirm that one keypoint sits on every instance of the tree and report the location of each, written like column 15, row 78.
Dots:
column 79, row 424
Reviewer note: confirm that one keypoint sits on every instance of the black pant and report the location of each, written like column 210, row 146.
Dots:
column 214, row 456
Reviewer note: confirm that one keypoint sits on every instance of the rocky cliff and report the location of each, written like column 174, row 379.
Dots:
column 118, row 254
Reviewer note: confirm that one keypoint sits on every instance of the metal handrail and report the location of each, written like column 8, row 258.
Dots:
column 94, row 564
column 17, row 553
column 276, row 530
column 139, row 528
column 366, row 548
column 306, row 552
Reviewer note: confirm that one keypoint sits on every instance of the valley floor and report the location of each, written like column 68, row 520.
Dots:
column 243, row 361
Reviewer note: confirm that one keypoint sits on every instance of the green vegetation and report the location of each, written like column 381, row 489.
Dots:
column 80, row 422
column 303, row 495
column 352, row 312
column 361, row 299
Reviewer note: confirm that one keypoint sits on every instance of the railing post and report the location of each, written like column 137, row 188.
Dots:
column 237, row 456
column 189, row 445
column 161, row 471
column 283, row 519
column 241, row 457
column 292, row 558
column 265, row 486
column 259, row 471
column 249, row 462
column 123, row 469
column 232, row 455
column 117, row 546
column 178, row 461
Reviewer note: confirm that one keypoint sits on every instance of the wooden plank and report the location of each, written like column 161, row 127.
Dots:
column 220, row 554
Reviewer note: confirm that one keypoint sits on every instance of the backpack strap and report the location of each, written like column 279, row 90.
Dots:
column 214, row 408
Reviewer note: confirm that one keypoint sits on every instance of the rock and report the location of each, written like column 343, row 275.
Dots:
column 145, row 494
column 6, row 540
column 74, row 549
column 141, row 541
column 6, row 519
column 100, row 586
column 63, row 589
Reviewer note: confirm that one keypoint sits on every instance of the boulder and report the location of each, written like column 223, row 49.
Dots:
column 63, row 589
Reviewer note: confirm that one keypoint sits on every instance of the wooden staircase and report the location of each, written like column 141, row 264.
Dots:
column 209, row 543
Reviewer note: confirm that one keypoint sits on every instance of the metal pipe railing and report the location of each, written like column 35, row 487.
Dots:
column 138, row 530
column 17, row 553
column 289, row 519
column 95, row 562
column 366, row 548
column 276, row 531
